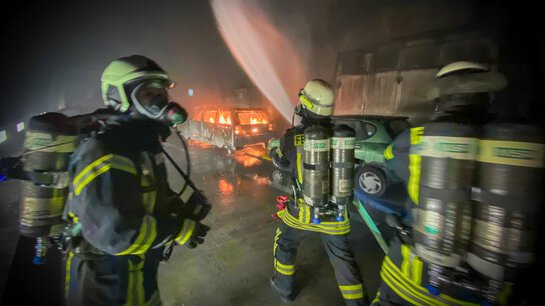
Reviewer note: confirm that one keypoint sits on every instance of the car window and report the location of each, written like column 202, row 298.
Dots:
column 210, row 116
column 357, row 125
column 252, row 117
column 370, row 130
column 225, row 117
column 395, row 127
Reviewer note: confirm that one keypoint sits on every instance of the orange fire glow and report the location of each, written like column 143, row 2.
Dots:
column 225, row 121
column 225, row 187
column 257, row 121
column 212, row 120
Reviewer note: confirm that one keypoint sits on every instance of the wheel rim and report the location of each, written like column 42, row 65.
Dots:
column 277, row 176
column 370, row 182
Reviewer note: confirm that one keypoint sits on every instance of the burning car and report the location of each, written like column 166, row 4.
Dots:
column 230, row 128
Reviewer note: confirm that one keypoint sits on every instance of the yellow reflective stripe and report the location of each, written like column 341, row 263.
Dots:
column 302, row 211
column 406, row 264
column 299, row 171
column 186, row 232
column 352, row 292
column 148, row 232
column 307, row 209
column 351, row 287
column 135, row 286
column 414, row 179
column 67, row 275
column 416, row 134
column 403, row 296
column 388, row 153
column 377, row 298
column 106, row 163
column 91, row 166
column 284, row 269
column 397, row 279
column 91, row 177
column 334, row 228
column 417, row 271
column 391, row 269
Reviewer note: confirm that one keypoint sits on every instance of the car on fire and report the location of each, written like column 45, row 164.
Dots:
column 373, row 135
column 229, row 128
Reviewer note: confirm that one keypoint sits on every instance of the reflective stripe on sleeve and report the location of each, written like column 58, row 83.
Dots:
column 186, row 232
column 135, row 286
column 388, row 153
column 146, row 236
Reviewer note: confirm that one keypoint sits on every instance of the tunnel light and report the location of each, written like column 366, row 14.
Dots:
column 254, row 130
column 190, row 92
column 20, row 126
column 3, row 136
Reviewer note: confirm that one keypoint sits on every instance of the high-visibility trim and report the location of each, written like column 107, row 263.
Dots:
column 278, row 233
column 100, row 166
column 398, row 280
column 135, row 286
column 388, row 153
column 307, row 218
column 186, row 232
column 352, row 292
column 302, row 213
column 416, row 134
column 91, row 166
column 333, row 228
column 284, row 269
column 299, row 170
column 148, row 232
column 416, row 270
column 67, row 275
column 406, row 264
column 396, row 290
column 414, row 179
column 415, row 290
column 377, row 297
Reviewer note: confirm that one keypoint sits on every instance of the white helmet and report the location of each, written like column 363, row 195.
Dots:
column 318, row 97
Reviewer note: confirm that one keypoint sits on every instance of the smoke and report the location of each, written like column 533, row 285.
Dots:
column 267, row 57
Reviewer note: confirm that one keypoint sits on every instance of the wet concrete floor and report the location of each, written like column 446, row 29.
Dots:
column 234, row 265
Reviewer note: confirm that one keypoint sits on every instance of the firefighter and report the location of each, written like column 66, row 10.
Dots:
column 424, row 260
column 315, row 108
column 124, row 217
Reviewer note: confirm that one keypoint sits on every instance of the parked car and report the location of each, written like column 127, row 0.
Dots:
column 230, row 128
column 373, row 135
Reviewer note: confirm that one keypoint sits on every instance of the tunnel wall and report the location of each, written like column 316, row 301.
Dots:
column 398, row 77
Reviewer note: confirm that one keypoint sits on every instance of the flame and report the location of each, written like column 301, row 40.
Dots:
column 260, row 180
column 212, row 120
column 257, row 121
column 225, row 121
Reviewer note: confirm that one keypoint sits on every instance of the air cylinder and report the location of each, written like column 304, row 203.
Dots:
column 316, row 167
column 510, row 171
column 342, row 165
column 442, row 161
column 49, row 141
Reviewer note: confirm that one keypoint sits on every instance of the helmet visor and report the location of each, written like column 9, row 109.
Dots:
column 151, row 96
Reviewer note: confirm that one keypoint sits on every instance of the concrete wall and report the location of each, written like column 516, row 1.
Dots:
column 398, row 77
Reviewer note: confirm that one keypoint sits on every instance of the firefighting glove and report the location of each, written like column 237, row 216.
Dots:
column 199, row 233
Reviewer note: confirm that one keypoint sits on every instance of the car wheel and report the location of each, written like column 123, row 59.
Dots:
column 371, row 181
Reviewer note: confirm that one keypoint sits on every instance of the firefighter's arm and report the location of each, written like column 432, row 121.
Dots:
column 401, row 144
column 116, row 215
column 279, row 156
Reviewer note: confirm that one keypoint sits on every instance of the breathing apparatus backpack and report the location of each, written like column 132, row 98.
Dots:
column 328, row 170
column 478, row 201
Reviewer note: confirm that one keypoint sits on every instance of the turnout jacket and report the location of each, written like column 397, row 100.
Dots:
column 291, row 153
column 119, row 190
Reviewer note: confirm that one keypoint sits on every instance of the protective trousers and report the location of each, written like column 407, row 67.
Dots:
column 340, row 255
column 112, row 280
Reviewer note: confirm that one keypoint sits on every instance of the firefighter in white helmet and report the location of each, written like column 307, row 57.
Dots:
column 315, row 108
